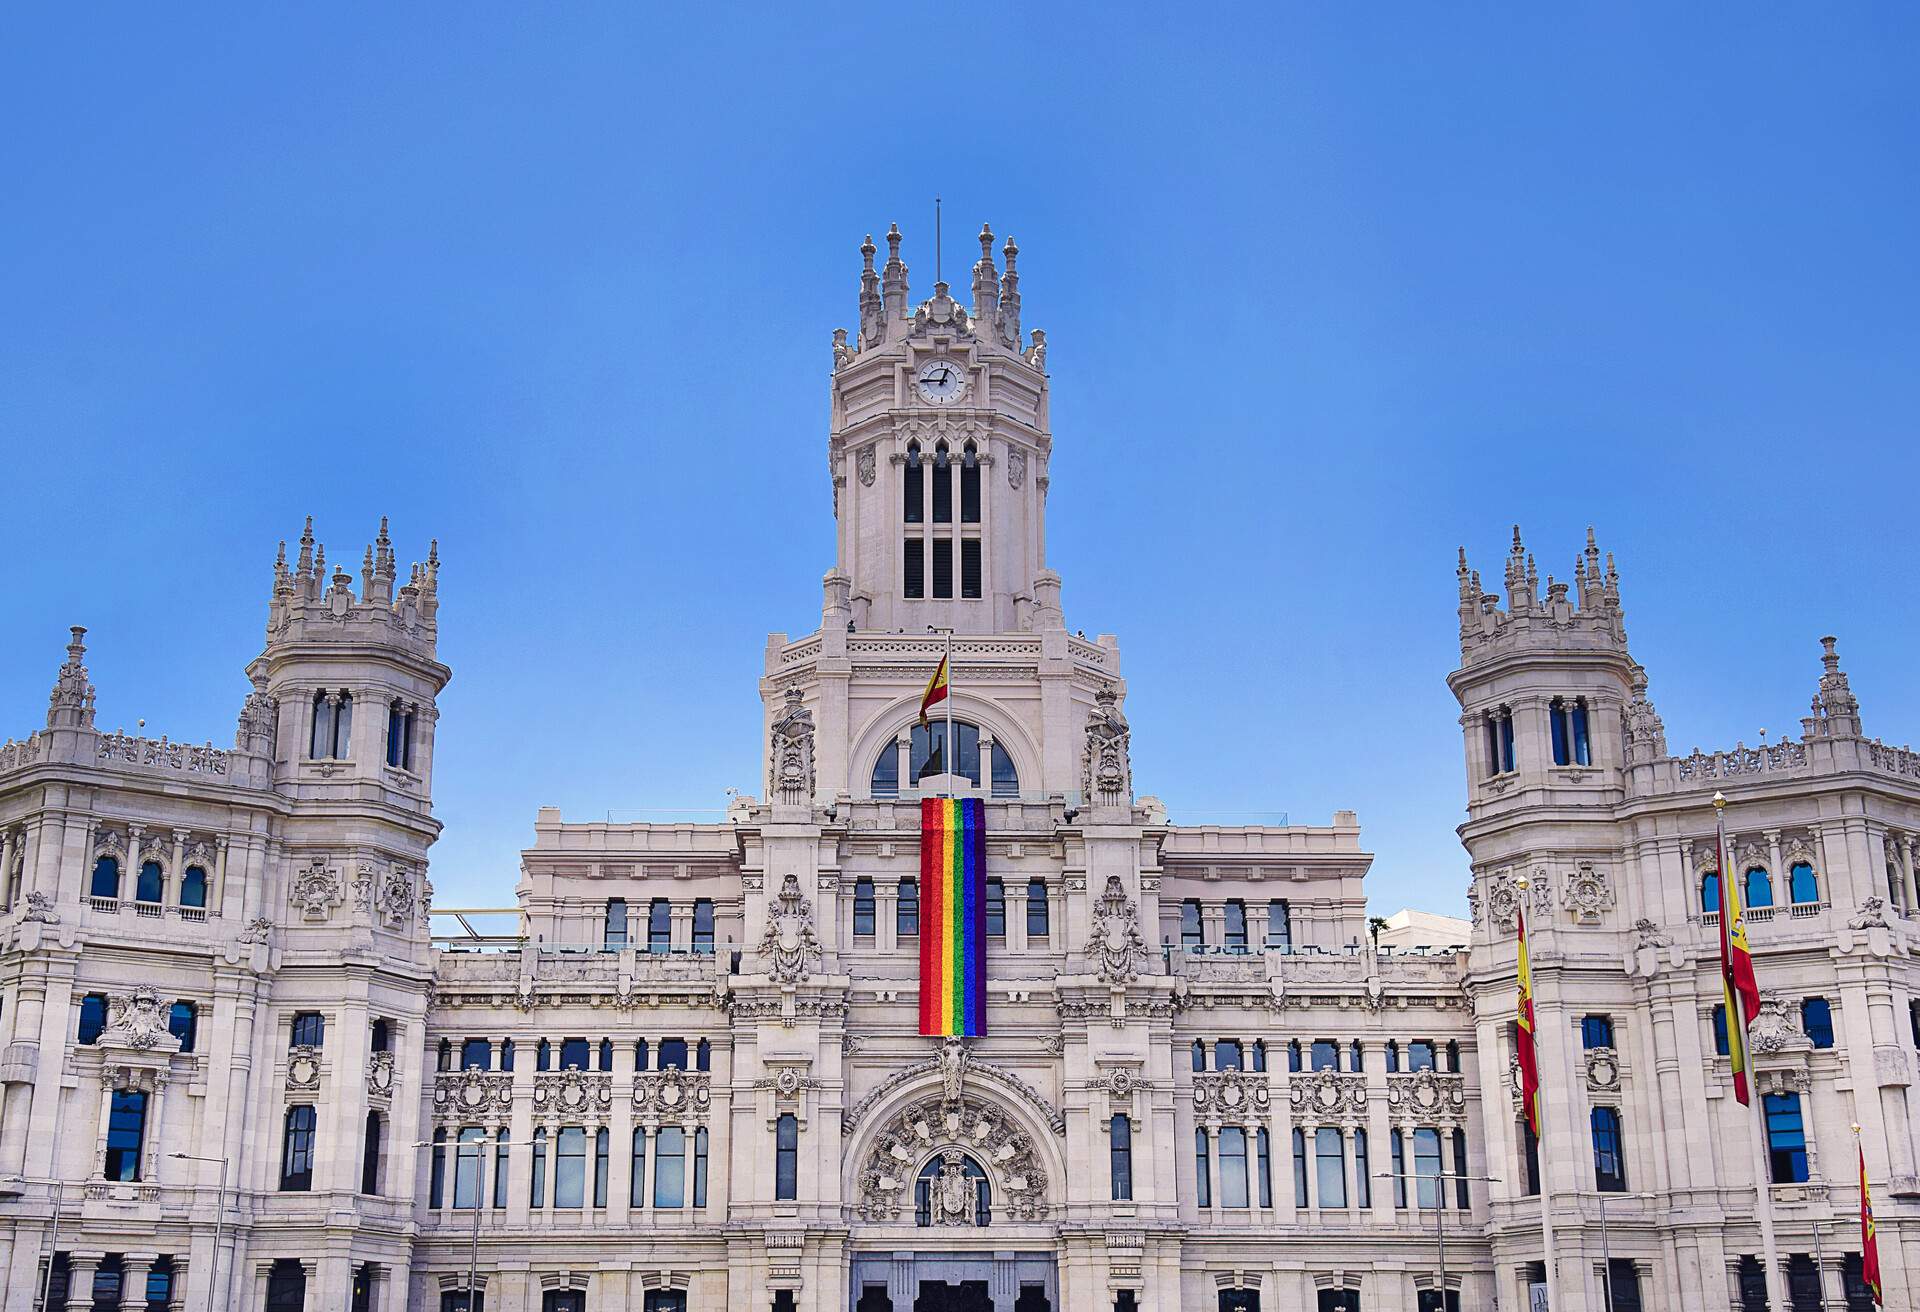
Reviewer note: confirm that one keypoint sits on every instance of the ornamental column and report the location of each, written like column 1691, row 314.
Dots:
column 81, row 1270
column 134, row 1269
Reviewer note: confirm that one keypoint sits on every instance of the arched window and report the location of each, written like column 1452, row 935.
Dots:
column 1609, row 1165
column 320, row 746
column 183, row 1022
column 1037, row 908
column 969, row 484
column 1710, row 893
column 193, row 888
column 786, row 1158
column 106, row 878
column 543, row 1055
column 606, row 1054
column 296, row 1150
column 913, row 500
column 1120, row 1156
column 1006, row 777
column 1568, row 723
column 126, row 1133
column 1393, row 1054
column 1759, row 890
column 928, row 752
column 886, row 772
column 1803, row 885
column 942, row 486
column 370, row 1156
column 906, row 909
column 934, row 1198
column 400, row 723
column 506, row 1054
column 150, row 886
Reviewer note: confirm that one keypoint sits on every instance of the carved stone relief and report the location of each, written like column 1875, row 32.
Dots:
column 1116, row 946
column 790, row 769
column 935, row 1126
column 789, row 948
column 316, row 889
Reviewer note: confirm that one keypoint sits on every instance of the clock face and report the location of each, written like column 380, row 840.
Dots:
column 940, row 381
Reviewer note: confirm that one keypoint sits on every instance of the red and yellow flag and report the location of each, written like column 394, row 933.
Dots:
column 1523, row 1036
column 1869, row 1236
column 936, row 690
column 1738, row 987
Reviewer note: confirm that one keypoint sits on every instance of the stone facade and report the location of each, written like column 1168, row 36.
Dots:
column 692, row 1077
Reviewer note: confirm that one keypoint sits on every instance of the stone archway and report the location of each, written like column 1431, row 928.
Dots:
column 999, row 1137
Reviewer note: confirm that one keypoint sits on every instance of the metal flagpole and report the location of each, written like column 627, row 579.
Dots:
column 1540, row 1136
column 1756, row 1133
column 952, row 752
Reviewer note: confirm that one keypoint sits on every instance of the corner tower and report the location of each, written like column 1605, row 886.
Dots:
column 938, row 453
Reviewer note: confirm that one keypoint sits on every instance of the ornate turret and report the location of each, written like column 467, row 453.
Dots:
column 1836, row 711
column 70, row 706
column 1590, row 618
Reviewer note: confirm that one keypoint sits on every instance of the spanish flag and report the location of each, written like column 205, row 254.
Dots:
column 1869, row 1236
column 936, row 691
column 1738, row 987
column 1523, row 1037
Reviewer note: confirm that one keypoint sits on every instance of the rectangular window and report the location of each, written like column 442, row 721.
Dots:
column 1426, row 1167
column 126, row 1133
column 1120, row 1156
column 476, row 1055
column 93, row 1019
column 183, row 1023
column 1625, row 1280
column 1202, row 1171
column 942, row 488
column 1233, row 1166
column 574, row 1054
column 863, row 913
column 1037, row 909
column 1299, row 1167
column 1326, row 1055
column 1330, row 1167
column 1786, row 1139
column 1279, row 924
column 1816, row 1017
column 601, row 1144
column 943, row 568
column 1720, row 1029
column 1609, row 1169
column 1227, row 1055
column 1531, row 1158
column 569, row 1168
column 700, row 1168
column 637, row 1181
column 1397, row 1144
column 616, row 937
column 703, row 926
column 296, row 1155
column 659, row 925
column 1557, row 718
column 503, row 1142
column 538, row 1185
column 914, row 582
column 1263, row 1151
column 996, row 909
column 1596, row 1032
column 970, row 568
column 673, row 1054
column 786, row 1158
column 1582, row 755
column 467, row 1161
column 1192, row 935
column 906, row 909
column 309, row 1030
column 1420, row 1055
column 1362, row 1185
column 1236, row 932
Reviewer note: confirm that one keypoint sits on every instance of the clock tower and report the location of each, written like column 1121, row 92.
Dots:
column 939, row 451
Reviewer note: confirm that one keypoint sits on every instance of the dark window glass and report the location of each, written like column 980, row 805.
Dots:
column 1801, row 884
column 126, row 1132
column 637, row 1185
column 1299, row 1167
column 942, row 488
column 296, row 1156
column 605, row 1055
column 538, row 1181
column 309, row 1030
column 1803, row 1284
column 476, row 1055
column 616, row 935
column 970, row 568
column 1759, row 888
column 1853, row 1283
column 1426, row 1167
column 906, row 913
column 996, row 909
column 370, row 1155
column 443, row 1059
column 659, row 925
column 569, row 1167
column 1626, row 1285
column 106, row 878
column 1362, row 1182
column 913, row 562
column 1710, row 893
column 1236, row 931
column 886, row 772
column 1199, row 1055
column 1816, row 1017
column 1260, row 1054
column 1531, row 1158
column 147, row 888
column 437, row 1171
column 1786, row 1139
column 670, row 1167
column 506, row 1054
column 1356, row 1057
column 1037, row 908
column 640, row 1055
column 913, row 496
column 1582, row 753
column 1420, row 1055
column 502, row 1145
column 1293, row 1055
column 1120, row 1156
column 943, row 568
column 1557, row 718
column 1429, row 1300
column 927, row 753
column 1192, row 933
column 863, row 906
column 601, row 1145
column 286, row 1286
column 160, row 1286
column 703, row 926
column 700, row 1167
column 193, row 888
column 1506, row 741
column 1006, row 776
column 379, row 1035
column 396, row 734
column 343, row 726
column 1453, row 1056
column 1393, row 1054
column 468, row 1158
column 320, row 746
column 1609, row 1165
column 574, row 1055
column 673, row 1054
column 1397, row 1148
column 1720, row 1029
column 543, row 1055
column 1202, row 1170
column 1279, row 924
column 183, row 1022
column 1227, row 1055
column 1596, row 1031
column 1462, row 1198
column 1326, row 1055
column 786, row 1158
column 93, row 1019
column 703, row 1056
column 1263, row 1151
column 969, row 485
column 1233, row 1166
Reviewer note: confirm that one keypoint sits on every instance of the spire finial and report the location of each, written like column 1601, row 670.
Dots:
column 986, row 242
column 867, row 249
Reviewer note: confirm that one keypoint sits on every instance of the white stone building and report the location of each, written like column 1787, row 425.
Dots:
column 238, row 1072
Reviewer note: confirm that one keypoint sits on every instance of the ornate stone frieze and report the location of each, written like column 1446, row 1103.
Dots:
column 672, row 1095
column 1427, row 1097
column 380, row 1077
column 1116, row 946
column 974, row 1070
column 303, row 1068
column 1502, row 894
column 558, row 1094
column 790, row 948
column 1229, row 1095
column 790, row 753
column 1588, row 892
column 934, row 1126
column 471, row 1093
column 316, row 889
column 1321, row 1097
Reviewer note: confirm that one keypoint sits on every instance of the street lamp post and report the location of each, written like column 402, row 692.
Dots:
column 479, row 1172
column 1439, row 1179
column 53, row 1245
column 219, row 1224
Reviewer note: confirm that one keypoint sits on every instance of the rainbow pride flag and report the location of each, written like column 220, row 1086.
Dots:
column 953, row 916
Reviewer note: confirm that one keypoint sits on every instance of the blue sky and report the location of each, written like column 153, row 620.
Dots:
column 1329, row 292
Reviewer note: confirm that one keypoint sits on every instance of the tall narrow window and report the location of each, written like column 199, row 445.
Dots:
column 1801, row 884
column 343, row 726
column 637, row 1184
column 1299, row 1167
column 1120, row 1156
column 1192, row 935
column 1397, row 1148
column 467, row 1164
column 601, row 1145
column 886, row 773
column 1330, row 1167
column 863, row 907
column 287, row 1285
column 1500, row 740
column 1260, row 1054
column 1759, row 888
column 699, row 1167
column 296, row 1150
column 1233, row 1166
column 1227, row 1055
column 502, row 1144
column 379, row 1035
column 1199, row 1056
column 183, row 1023
column 1557, row 722
column 1202, row 1170
column 1426, row 1167
column 193, row 888
column 970, row 569
column 1816, row 1018
column 1609, row 1170
column 396, row 733
column 437, row 1171
column 1710, row 893
column 1596, row 1032
column 320, row 745
column 1037, row 908
column 703, row 926
column 786, row 1158
column 605, row 1054
column 569, row 1167
column 1236, row 930
column 943, row 568
column 1530, row 1158
column 659, row 926
column 543, row 1055
column 1720, row 1029
column 1263, row 1153
column 1786, row 1139
column 616, row 932
column 126, row 1133
column 106, row 878
column 149, row 887
column 969, row 484
column 1582, row 753
column 942, row 485
column 537, row 1182
column 1462, row 1198
column 1362, row 1183
column 1279, row 924
column 996, row 909
column 912, row 491
column 1006, row 775
column 913, row 564
column 703, row 1056
column 906, row 909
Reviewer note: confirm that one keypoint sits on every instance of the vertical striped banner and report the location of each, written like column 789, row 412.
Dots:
column 953, row 917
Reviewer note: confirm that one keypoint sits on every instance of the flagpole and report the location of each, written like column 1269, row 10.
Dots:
column 1539, row 1120
column 1730, row 896
column 1869, row 1234
column 952, row 752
